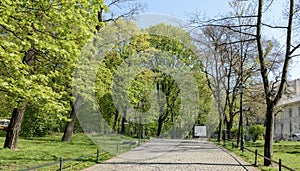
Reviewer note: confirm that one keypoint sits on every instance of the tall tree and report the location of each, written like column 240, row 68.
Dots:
column 152, row 51
column 273, row 91
column 39, row 41
column 182, row 49
column 105, row 13
column 273, row 80
column 223, row 48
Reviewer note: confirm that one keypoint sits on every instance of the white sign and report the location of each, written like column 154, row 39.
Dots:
column 200, row 131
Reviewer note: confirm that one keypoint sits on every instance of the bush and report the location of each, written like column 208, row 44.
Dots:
column 256, row 131
column 39, row 124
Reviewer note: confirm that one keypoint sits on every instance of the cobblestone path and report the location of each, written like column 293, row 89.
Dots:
column 175, row 155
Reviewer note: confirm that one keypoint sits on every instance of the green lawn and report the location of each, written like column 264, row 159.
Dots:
column 288, row 152
column 38, row 151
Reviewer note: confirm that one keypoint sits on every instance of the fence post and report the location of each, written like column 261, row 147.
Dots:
column 255, row 159
column 280, row 163
column 97, row 157
column 117, row 148
column 60, row 163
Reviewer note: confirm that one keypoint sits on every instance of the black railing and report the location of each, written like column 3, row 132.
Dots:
column 279, row 163
column 61, row 161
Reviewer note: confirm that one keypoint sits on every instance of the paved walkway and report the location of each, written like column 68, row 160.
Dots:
column 175, row 155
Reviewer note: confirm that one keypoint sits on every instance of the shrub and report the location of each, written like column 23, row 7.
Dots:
column 256, row 131
column 39, row 124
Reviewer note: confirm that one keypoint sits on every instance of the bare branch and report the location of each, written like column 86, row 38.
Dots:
column 129, row 13
column 268, row 6
column 239, row 41
column 114, row 2
column 229, row 28
column 279, row 27
column 294, row 56
column 294, row 49
column 230, row 18
column 287, row 53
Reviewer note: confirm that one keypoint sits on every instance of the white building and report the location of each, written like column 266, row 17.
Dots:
column 287, row 122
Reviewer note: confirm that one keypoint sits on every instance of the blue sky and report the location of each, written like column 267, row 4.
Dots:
column 211, row 8
column 180, row 8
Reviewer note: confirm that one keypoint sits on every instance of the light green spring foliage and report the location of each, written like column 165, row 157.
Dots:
column 181, row 45
column 55, row 31
column 167, row 43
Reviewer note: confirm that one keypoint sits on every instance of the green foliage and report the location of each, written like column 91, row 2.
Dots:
column 205, row 96
column 51, row 33
column 38, row 124
column 155, row 47
column 256, row 131
column 5, row 106
column 116, row 33
column 40, row 42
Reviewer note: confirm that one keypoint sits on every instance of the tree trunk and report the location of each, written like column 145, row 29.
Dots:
column 115, row 122
column 229, row 127
column 160, row 125
column 271, row 102
column 70, row 125
column 240, row 127
column 268, row 147
column 161, row 110
column 14, row 127
column 220, row 130
column 123, row 121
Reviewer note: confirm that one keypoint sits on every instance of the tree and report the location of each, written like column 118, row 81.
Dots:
column 101, row 10
column 273, row 91
column 222, row 59
column 130, row 69
column 100, row 69
column 182, row 49
column 39, row 41
column 273, row 80
column 220, row 46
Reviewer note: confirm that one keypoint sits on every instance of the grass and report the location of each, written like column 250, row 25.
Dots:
column 287, row 151
column 41, row 150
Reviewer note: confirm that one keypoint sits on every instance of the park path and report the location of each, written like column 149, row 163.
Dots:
column 175, row 155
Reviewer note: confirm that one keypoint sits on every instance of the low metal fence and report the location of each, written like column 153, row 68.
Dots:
column 130, row 145
column 279, row 162
column 61, row 161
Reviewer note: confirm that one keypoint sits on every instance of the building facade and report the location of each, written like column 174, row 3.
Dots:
column 287, row 120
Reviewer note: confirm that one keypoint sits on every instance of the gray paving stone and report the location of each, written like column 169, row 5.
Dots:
column 175, row 155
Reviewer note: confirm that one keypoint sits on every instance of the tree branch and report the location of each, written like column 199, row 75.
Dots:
column 279, row 27
column 239, row 41
column 230, row 28
column 11, row 31
column 287, row 54
column 230, row 18
column 294, row 49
